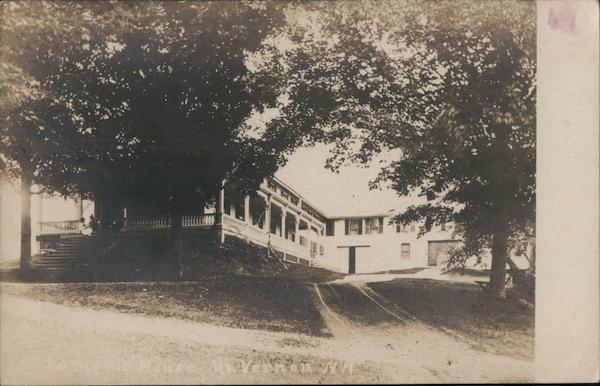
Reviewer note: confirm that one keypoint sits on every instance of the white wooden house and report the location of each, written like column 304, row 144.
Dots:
column 276, row 217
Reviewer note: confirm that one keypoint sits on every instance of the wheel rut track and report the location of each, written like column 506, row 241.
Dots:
column 407, row 316
column 379, row 338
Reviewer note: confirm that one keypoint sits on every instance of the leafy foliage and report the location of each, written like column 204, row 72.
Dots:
column 154, row 96
column 447, row 88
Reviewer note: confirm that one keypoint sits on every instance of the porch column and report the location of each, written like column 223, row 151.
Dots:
column 268, row 214
column 219, row 215
column 283, row 214
column 40, row 215
column 247, row 210
column 296, row 226
column 78, row 207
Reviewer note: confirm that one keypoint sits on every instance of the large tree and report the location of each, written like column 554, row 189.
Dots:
column 34, row 124
column 447, row 88
column 166, row 93
column 154, row 97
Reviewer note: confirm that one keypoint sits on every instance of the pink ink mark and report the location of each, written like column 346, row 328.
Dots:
column 563, row 20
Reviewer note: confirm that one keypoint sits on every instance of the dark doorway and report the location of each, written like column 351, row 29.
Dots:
column 352, row 260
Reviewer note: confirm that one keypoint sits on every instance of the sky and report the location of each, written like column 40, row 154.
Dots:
column 346, row 193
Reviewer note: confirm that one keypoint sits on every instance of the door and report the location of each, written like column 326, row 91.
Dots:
column 352, row 260
column 437, row 249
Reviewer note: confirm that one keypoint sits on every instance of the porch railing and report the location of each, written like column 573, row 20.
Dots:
column 159, row 222
column 148, row 222
column 198, row 221
column 143, row 222
column 60, row 227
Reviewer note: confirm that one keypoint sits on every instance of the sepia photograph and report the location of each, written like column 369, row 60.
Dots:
column 298, row 192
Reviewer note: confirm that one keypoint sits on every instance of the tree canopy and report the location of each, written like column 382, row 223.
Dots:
column 156, row 94
column 115, row 99
column 448, row 88
column 128, row 102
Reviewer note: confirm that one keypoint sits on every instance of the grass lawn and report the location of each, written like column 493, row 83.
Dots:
column 502, row 326
column 265, row 293
column 273, row 305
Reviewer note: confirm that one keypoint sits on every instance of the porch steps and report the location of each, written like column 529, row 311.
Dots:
column 134, row 249
column 65, row 251
column 80, row 251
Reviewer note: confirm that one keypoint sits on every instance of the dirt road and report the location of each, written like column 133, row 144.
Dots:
column 373, row 341
column 375, row 327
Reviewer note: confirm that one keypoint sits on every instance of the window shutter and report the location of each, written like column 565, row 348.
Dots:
column 347, row 227
column 368, row 226
column 360, row 221
column 412, row 226
column 380, row 224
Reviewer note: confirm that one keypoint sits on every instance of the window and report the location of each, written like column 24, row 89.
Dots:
column 374, row 225
column 405, row 250
column 354, row 227
column 330, row 228
column 405, row 228
column 321, row 250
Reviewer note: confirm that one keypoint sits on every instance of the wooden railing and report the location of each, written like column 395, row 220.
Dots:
column 198, row 220
column 148, row 222
column 299, row 252
column 159, row 222
column 60, row 227
column 143, row 222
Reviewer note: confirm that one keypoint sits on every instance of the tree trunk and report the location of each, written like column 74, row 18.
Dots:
column 176, row 236
column 100, row 209
column 25, row 263
column 518, row 276
column 503, row 200
column 499, row 258
column 531, row 254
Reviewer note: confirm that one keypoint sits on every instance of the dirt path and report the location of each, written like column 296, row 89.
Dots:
column 50, row 343
column 373, row 341
column 364, row 318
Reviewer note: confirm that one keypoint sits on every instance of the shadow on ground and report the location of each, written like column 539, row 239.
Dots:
column 501, row 326
column 272, row 305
